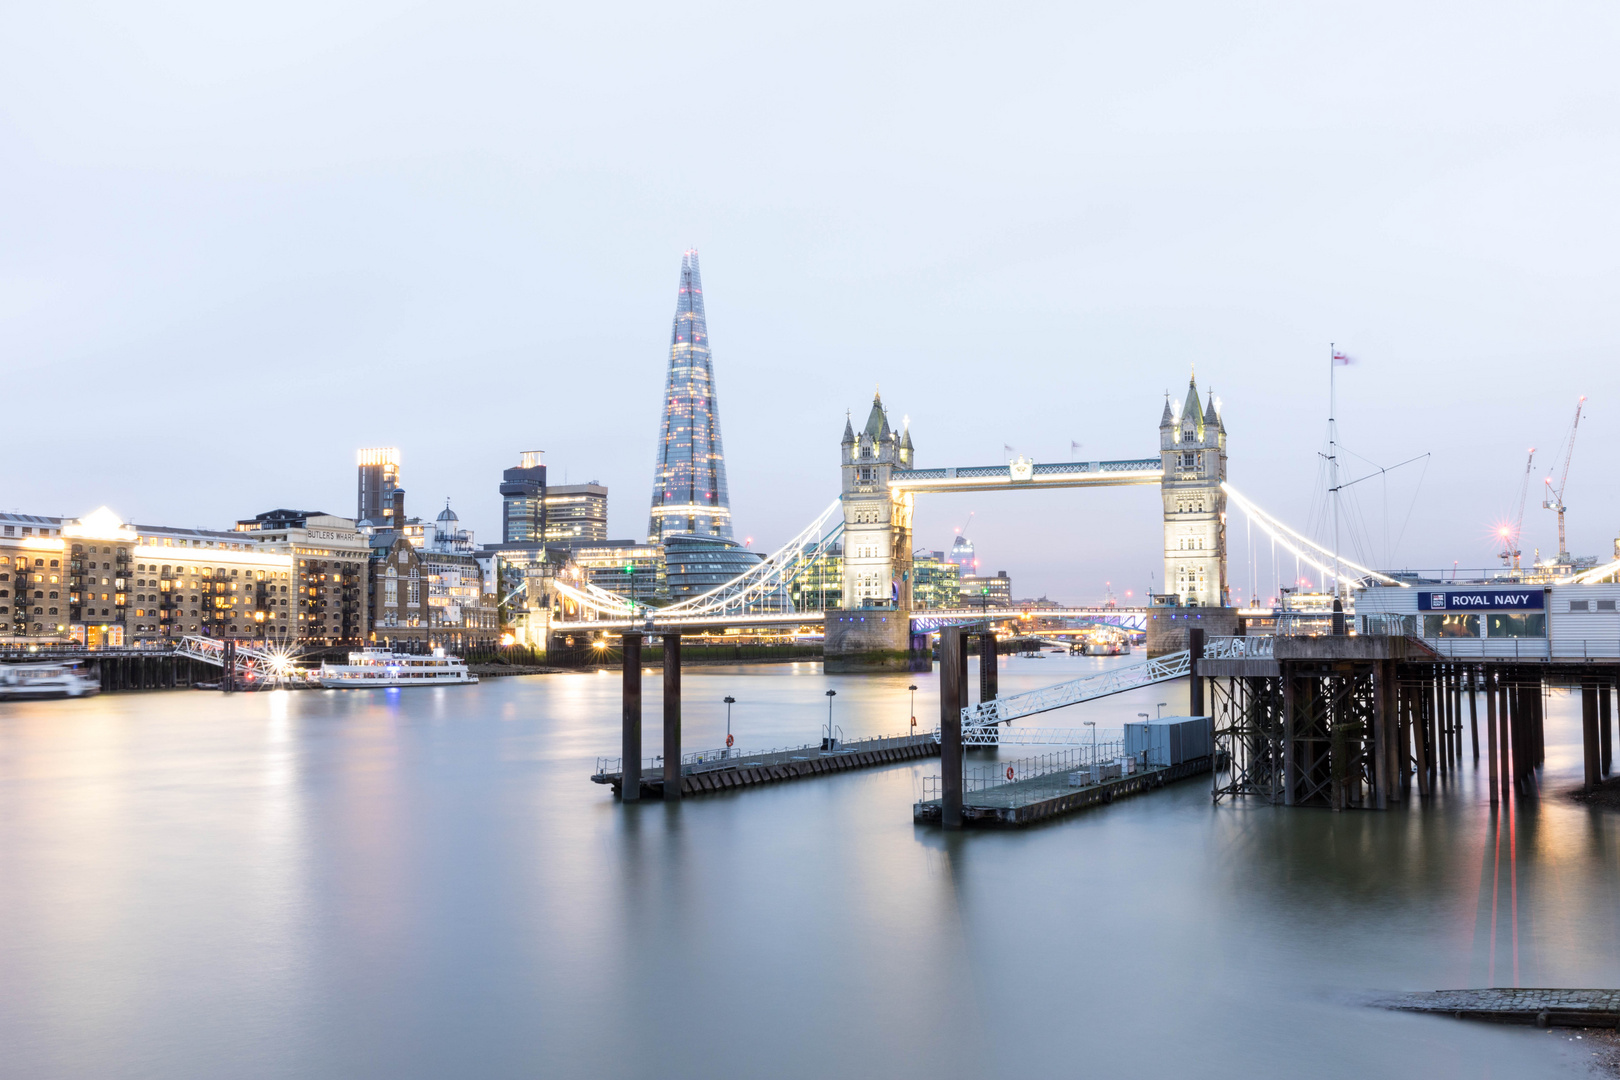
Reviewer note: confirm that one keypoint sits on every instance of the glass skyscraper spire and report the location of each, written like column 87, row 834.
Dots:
column 689, row 483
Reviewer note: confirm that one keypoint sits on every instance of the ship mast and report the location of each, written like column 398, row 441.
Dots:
column 1333, row 456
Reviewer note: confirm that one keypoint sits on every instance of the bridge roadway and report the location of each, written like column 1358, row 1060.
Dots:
column 921, row 618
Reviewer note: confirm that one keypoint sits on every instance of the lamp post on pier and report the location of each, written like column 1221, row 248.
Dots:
column 830, row 695
column 913, row 689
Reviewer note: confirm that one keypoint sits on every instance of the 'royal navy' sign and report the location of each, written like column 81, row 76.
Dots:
column 1482, row 600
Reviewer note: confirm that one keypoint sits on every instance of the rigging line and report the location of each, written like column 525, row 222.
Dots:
column 1413, row 506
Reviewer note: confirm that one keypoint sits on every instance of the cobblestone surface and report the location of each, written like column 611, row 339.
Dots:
column 1551, row 1007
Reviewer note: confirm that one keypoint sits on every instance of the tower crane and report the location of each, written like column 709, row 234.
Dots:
column 1510, row 533
column 1554, row 499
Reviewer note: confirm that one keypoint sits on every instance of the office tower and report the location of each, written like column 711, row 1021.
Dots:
column 689, row 482
column 379, row 476
column 523, row 500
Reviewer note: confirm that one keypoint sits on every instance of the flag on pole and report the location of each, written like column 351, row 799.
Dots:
column 1341, row 358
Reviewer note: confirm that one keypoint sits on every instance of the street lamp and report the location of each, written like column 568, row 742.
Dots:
column 830, row 695
column 1092, row 724
column 730, row 701
column 913, row 689
column 1162, row 704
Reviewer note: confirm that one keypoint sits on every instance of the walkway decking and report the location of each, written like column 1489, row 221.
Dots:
column 1025, row 802
column 719, row 770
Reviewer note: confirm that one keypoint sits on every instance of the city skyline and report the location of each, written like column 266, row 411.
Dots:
column 1451, row 233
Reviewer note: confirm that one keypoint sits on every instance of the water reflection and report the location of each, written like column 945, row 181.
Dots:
column 425, row 884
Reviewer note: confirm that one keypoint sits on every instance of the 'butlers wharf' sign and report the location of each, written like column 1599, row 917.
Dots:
column 1482, row 600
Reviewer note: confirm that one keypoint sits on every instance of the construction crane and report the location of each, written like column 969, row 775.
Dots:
column 1510, row 533
column 1554, row 499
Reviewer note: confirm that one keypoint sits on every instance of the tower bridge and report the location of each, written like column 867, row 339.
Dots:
column 872, row 520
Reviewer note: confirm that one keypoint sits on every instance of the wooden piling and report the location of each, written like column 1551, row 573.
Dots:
column 630, row 746
column 1383, row 758
column 1417, row 715
column 1195, row 683
column 1488, row 676
column 1473, row 709
column 672, row 717
column 1605, row 721
column 1591, row 744
column 952, row 685
column 1289, row 726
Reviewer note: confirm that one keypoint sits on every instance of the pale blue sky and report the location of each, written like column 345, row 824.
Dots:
column 236, row 245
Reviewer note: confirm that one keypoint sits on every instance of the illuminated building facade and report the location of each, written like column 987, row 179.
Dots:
column 1193, row 445
column 935, row 581
column 987, row 591
column 626, row 567
column 577, row 512
column 33, row 579
column 523, row 500
column 820, row 586
column 695, row 564
column 105, row 582
column 689, row 481
column 877, row 522
column 962, row 556
column 379, row 476
column 328, row 557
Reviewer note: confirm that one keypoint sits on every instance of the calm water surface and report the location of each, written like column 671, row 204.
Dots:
column 424, row 884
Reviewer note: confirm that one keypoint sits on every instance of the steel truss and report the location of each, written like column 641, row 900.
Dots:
column 1302, row 738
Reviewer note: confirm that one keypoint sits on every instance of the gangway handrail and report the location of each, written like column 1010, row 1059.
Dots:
column 1116, row 681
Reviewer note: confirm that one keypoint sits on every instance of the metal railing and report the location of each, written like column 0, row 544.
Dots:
column 1117, row 680
column 1056, row 767
column 1239, row 648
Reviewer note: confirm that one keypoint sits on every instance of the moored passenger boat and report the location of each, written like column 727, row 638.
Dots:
column 46, row 680
column 372, row 668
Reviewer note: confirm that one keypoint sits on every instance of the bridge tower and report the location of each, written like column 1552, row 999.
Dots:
column 877, row 524
column 1192, row 441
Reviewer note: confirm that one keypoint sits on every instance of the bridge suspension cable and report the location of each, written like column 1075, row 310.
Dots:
column 770, row 575
column 1285, row 536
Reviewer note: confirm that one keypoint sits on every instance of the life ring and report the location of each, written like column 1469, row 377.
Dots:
column 729, row 739
column 1009, row 772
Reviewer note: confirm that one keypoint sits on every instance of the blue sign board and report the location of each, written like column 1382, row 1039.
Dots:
column 1482, row 600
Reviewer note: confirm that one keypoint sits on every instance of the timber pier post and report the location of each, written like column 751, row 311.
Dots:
column 630, row 763
column 672, row 717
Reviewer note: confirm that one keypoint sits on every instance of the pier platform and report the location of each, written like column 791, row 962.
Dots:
column 1017, row 803
column 725, row 770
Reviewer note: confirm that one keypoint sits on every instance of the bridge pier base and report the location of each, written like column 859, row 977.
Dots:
column 867, row 639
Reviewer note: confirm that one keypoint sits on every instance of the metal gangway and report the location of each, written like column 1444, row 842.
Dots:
column 981, row 723
column 254, row 663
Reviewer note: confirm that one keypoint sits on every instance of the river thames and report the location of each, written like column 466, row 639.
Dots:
column 424, row 883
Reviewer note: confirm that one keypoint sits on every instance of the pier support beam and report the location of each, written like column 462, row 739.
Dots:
column 1605, row 722
column 1195, row 681
column 989, row 674
column 630, row 765
column 672, row 717
column 1489, row 675
column 1474, row 675
column 1383, row 738
column 1591, row 743
column 952, row 690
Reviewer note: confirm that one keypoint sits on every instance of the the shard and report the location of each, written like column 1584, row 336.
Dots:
column 689, row 483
